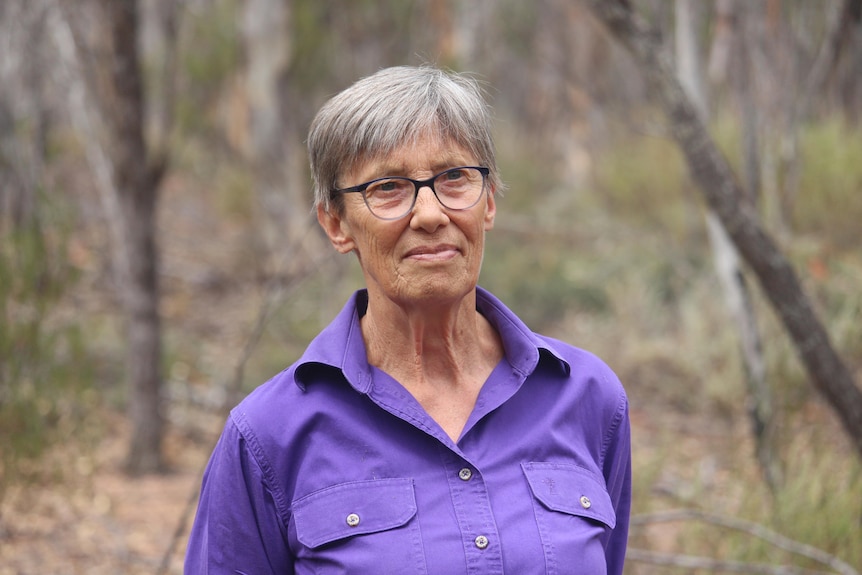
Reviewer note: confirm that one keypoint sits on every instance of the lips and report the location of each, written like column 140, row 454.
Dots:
column 435, row 252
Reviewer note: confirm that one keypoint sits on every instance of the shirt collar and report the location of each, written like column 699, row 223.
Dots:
column 340, row 344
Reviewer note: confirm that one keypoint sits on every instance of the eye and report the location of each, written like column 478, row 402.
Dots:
column 455, row 174
column 389, row 187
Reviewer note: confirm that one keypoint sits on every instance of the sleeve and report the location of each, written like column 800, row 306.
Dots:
column 618, row 475
column 237, row 529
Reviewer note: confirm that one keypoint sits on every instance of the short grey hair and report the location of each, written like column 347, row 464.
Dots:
column 382, row 112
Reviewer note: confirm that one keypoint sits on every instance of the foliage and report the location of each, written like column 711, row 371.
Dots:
column 45, row 378
column 616, row 263
column 831, row 177
column 644, row 181
column 663, row 327
column 821, row 503
column 819, row 507
column 210, row 54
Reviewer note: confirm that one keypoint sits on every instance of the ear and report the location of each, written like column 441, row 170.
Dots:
column 336, row 229
column 490, row 209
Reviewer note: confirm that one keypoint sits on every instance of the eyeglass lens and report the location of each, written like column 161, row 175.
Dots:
column 456, row 189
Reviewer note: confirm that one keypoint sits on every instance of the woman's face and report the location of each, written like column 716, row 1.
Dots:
column 431, row 255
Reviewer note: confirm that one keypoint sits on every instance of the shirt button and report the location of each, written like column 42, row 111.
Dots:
column 465, row 474
column 353, row 520
column 481, row 541
column 585, row 502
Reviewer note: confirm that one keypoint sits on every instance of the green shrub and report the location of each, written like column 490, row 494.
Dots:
column 644, row 181
column 44, row 371
column 209, row 55
column 829, row 201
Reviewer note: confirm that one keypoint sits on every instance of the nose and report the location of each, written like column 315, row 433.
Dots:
column 428, row 213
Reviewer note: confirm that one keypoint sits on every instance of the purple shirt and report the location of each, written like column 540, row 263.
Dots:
column 333, row 467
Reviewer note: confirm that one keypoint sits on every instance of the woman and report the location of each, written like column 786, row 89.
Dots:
column 426, row 429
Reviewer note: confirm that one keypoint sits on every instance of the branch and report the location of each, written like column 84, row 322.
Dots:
column 691, row 562
column 755, row 530
column 830, row 49
column 88, row 127
column 722, row 192
column 164, row 113
column 276, row 292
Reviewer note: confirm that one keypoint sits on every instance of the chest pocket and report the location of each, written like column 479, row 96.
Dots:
column 574, row 514
column 359, row 527
column 352, row 509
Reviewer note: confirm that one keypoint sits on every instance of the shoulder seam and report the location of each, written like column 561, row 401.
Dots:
column 263, row 464
column 616, row 421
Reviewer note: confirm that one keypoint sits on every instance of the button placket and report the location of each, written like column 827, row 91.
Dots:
column 474, row 515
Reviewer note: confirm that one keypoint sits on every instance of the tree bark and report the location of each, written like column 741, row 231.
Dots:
column 274, row 128
column 725, row 197
column 24, row 111
column 136, row 180
column 727, row 264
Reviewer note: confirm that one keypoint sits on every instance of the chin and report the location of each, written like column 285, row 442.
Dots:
column 441, row 290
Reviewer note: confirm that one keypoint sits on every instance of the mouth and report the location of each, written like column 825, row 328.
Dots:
column 435, row 253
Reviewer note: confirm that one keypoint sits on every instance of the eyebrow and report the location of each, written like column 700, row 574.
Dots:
column 438, row 166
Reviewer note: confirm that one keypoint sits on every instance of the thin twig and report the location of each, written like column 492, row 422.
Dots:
column 751, row 528
column 276, row 293
column 88, row 126
column 718, row 565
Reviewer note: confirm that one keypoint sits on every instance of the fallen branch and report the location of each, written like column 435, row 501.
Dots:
column 691, row 562
column 754, row 529
column 724, row 195
column 276, row 292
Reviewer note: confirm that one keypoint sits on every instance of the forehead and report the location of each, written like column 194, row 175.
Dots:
column 425, row 155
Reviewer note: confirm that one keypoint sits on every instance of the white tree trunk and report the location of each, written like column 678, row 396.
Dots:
column 716, row 180
column 726, row 259
column 110, row 117
column 275, row 153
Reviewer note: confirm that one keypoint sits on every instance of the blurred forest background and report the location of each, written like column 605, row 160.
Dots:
column 158, row 258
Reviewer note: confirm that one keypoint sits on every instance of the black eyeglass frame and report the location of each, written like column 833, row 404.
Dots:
column 417, row 185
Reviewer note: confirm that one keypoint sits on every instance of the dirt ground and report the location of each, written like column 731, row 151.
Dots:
column 97, row 520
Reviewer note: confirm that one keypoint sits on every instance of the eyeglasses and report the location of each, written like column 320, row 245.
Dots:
column 392, row 198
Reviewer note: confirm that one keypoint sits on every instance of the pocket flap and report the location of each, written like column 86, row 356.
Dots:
column 354, row 508
column 570, row 489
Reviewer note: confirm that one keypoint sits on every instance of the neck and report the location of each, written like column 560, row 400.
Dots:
column 441, row 354
column 424, row 341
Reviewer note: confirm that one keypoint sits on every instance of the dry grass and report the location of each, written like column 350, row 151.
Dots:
column 628, row 265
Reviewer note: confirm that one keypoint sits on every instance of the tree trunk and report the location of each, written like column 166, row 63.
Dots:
column 136, row 181
column 24, row 111
column 722, row 192
column 274, row 153
column 727, row 265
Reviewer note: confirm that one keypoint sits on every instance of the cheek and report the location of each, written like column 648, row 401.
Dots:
column 374, row 248
column 478, row 236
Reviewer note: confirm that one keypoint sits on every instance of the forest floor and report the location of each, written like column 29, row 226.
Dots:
column 83, row 514
column 93, row 519
column 96, row 519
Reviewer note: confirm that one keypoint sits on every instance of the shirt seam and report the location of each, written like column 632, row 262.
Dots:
column 619, row 416
column 267, row 472
column 484, row 299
